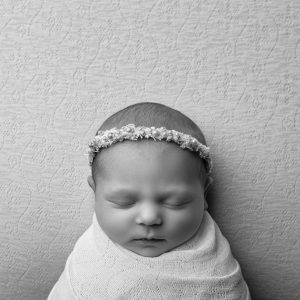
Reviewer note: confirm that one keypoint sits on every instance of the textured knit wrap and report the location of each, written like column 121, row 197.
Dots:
column 202, row 268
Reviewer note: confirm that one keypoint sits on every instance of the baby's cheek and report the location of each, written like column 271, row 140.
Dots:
column 185, row 223
column 116, row 223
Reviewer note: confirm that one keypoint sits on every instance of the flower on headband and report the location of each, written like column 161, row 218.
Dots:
column 106, row 138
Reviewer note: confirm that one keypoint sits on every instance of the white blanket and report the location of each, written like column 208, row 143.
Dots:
column 202, row 268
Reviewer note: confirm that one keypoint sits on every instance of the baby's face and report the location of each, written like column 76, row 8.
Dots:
column 148, row 190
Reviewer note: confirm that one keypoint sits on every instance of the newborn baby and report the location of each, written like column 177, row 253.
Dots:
column 151, row 236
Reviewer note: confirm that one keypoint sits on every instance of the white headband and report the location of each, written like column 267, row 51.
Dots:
column 106, row 138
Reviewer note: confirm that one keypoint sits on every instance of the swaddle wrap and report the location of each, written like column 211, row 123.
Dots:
column 202, row 268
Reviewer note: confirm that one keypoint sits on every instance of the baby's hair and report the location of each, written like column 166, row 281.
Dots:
column 158, row 115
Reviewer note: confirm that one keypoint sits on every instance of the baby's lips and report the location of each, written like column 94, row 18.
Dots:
column 149, row 238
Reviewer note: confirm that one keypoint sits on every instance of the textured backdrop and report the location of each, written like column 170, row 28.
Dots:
column 231, row 66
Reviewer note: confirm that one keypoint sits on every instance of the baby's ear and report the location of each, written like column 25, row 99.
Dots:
column 205, row 205
column 208, row 183
column 91, row 182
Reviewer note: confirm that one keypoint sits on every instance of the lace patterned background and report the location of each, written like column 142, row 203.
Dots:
column 231, row 66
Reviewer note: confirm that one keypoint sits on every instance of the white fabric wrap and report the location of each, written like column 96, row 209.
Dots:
column 202, row 268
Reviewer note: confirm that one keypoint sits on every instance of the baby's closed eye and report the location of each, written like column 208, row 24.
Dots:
column 168, row 202
column 123, row 201
column 176, row 202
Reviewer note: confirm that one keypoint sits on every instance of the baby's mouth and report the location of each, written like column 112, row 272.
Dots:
column 151, row 239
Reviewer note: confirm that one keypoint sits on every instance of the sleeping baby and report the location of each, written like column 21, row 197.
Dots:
column 151, row 235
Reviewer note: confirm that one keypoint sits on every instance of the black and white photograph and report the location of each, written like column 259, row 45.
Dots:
column 149, row 150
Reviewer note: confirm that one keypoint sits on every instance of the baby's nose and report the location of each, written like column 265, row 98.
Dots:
column 149, row 214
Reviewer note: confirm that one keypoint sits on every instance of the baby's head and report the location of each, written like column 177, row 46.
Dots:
column 148, row 189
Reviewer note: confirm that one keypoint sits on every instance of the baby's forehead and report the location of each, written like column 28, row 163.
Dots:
column 143, row 148
column 158, row 152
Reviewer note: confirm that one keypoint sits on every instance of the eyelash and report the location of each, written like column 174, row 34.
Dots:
column 177, row 205
column 168, row 205
column 124, row 204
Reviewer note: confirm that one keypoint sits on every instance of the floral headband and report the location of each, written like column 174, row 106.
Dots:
column 106, row 138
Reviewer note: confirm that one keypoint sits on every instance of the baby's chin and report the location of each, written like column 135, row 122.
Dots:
column 148, row 252
column 151, row 251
